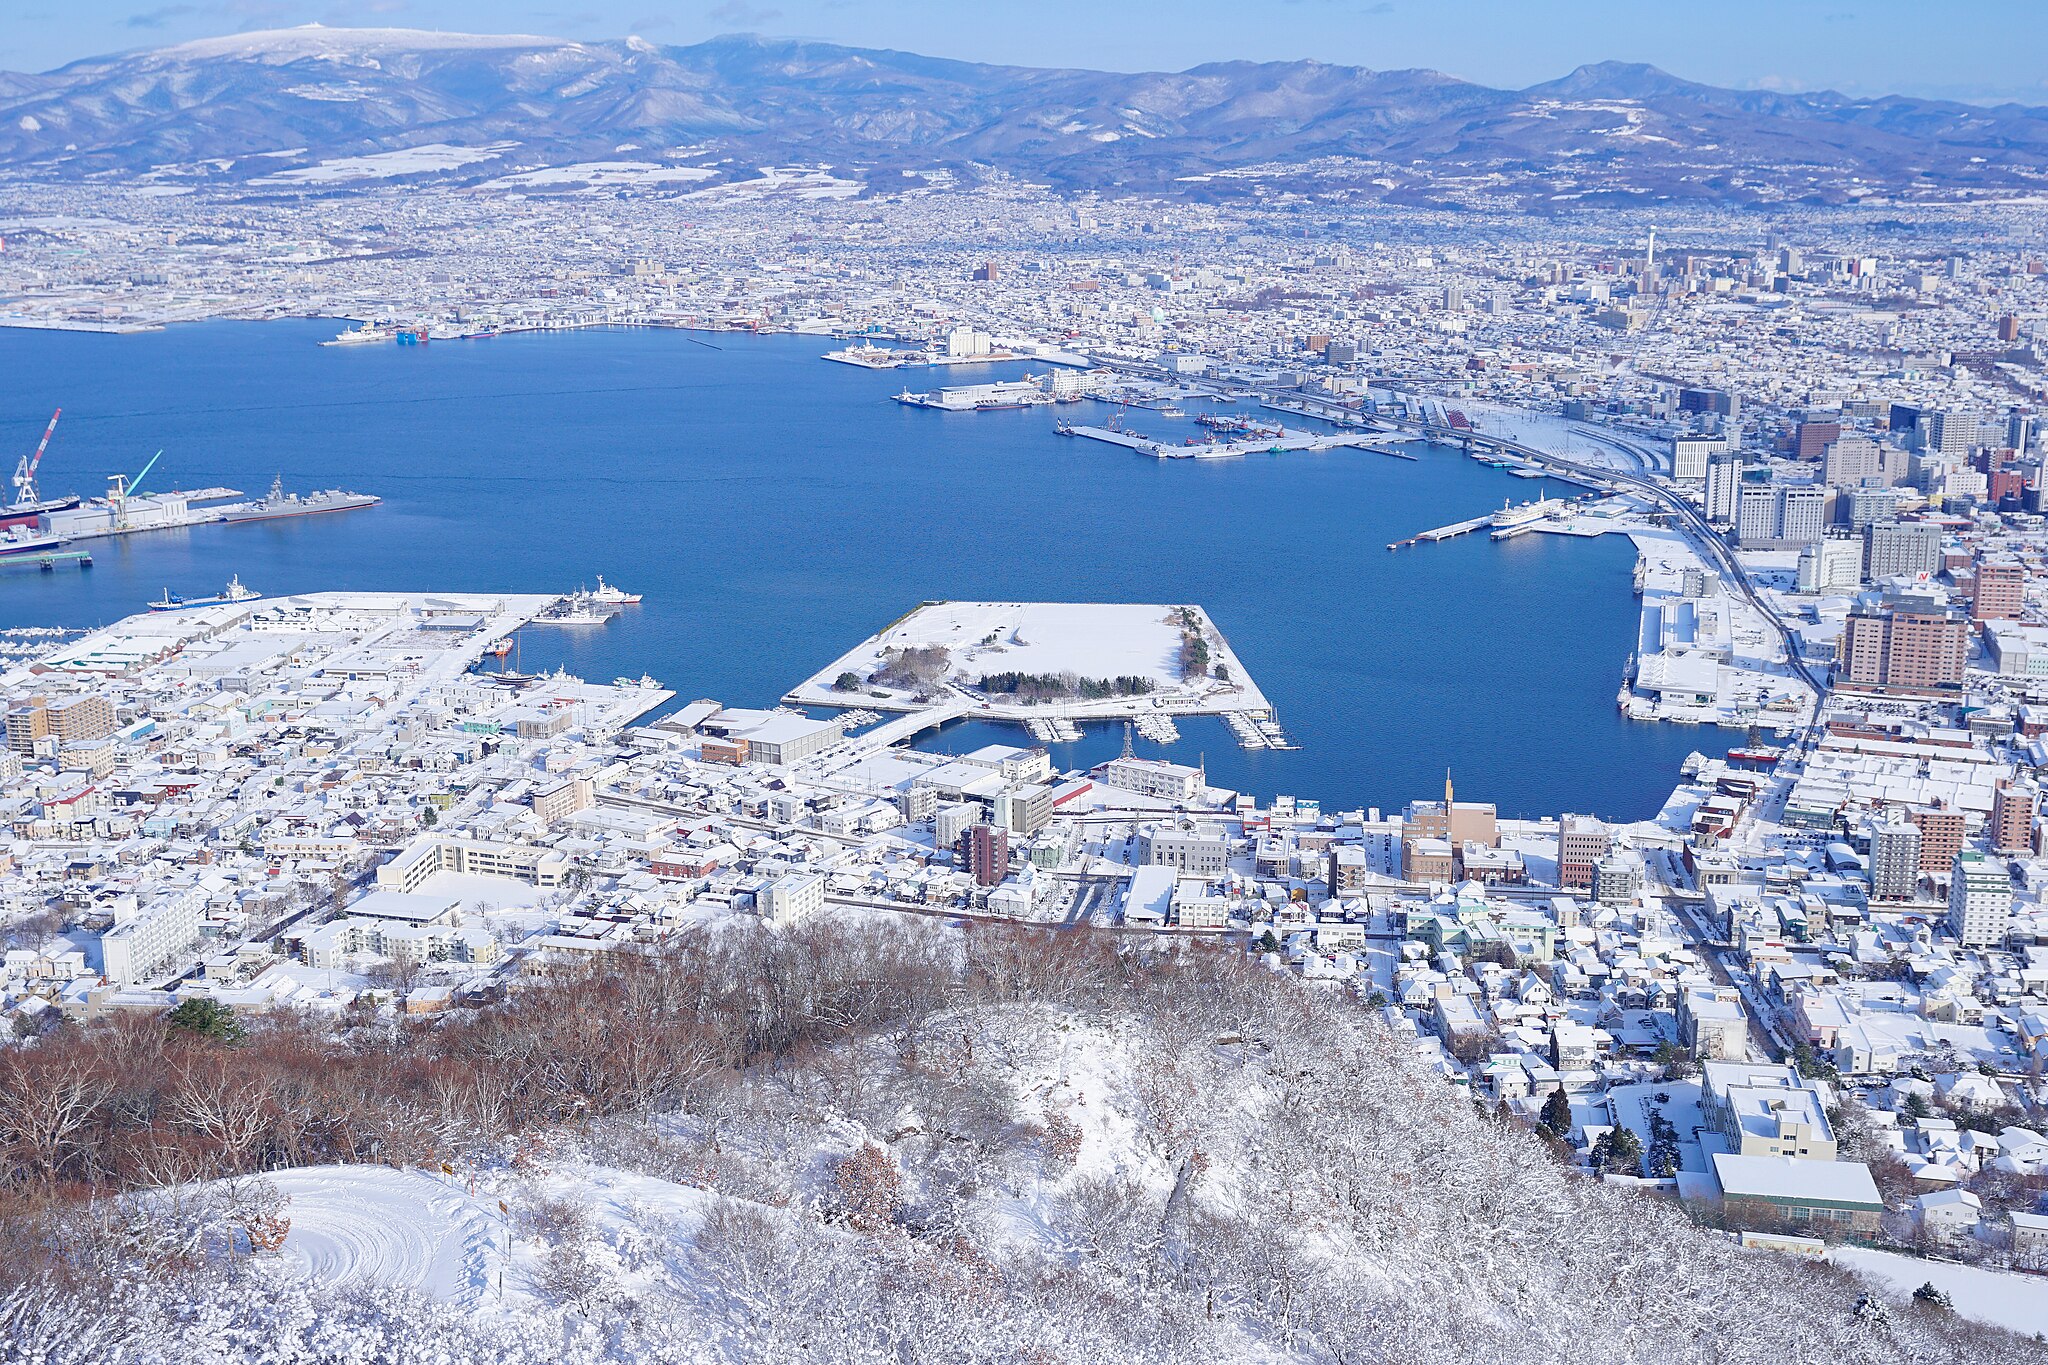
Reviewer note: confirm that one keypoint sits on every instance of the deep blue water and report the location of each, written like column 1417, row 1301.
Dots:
column 776, row 509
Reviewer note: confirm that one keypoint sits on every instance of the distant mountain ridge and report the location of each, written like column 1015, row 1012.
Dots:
column 203, row 110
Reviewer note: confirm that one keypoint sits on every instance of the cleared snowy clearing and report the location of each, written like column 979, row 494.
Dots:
column 404, row 1229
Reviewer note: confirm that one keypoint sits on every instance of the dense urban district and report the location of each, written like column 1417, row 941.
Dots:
column 1807, row 1000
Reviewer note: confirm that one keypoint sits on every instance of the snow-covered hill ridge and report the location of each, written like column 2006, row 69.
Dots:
column 900, row 1144
column 318, row 41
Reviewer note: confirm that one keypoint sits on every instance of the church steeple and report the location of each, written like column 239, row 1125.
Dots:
column 1447, row 791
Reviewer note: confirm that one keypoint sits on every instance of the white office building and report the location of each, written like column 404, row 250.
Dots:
column 1831, row 565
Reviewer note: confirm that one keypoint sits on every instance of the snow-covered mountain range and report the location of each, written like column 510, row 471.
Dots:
column 242, row 107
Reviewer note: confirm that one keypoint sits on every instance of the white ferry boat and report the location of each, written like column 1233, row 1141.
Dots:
column 364, row 335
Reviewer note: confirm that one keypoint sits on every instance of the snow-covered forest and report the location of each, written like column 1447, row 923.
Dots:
column 853, row 1142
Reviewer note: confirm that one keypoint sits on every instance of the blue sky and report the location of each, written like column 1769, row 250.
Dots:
column 1980, row 50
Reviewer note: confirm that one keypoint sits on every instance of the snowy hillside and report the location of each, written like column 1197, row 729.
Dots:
column 894, row 1144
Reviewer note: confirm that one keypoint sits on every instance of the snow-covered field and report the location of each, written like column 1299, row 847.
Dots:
column 2003, row 1298
column 1089, row 639
column 433, row 156
column 791, row 182
column 1095, row 640
column 596, row 175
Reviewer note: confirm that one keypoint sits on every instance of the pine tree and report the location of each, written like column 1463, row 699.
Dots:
column 1557, row 1113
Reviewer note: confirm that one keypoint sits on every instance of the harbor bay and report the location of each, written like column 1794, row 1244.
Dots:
column 775, row 510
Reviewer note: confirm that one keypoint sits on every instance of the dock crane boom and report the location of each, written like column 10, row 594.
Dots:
column 25, row 472
column 135, row 484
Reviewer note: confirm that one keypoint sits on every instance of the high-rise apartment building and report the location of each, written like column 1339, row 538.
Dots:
column 1979, row 900
column 1941, row 838
column 1910, row 650
column 2001, row 590
column 1953, row 432
column 75, row 720
column 984, row 853
column 1895, row 860
column 1724, row 487
column 2012, row 816
column 1582, row 842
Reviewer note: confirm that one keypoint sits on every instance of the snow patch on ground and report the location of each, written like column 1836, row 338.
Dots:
column 2003, row 1298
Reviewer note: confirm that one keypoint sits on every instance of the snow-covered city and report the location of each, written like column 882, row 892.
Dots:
column 985, row 986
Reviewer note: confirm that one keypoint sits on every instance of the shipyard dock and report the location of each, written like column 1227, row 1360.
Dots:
column 123, row 511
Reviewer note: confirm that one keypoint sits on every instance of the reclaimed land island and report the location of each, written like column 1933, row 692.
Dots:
column 1047, row 666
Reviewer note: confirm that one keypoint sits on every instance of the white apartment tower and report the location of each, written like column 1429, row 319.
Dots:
column 1979, row 900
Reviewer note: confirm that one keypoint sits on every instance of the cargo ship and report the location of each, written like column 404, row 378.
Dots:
column 277, row 503
column 234, row 592
column 13, row 542
column 27, row 513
